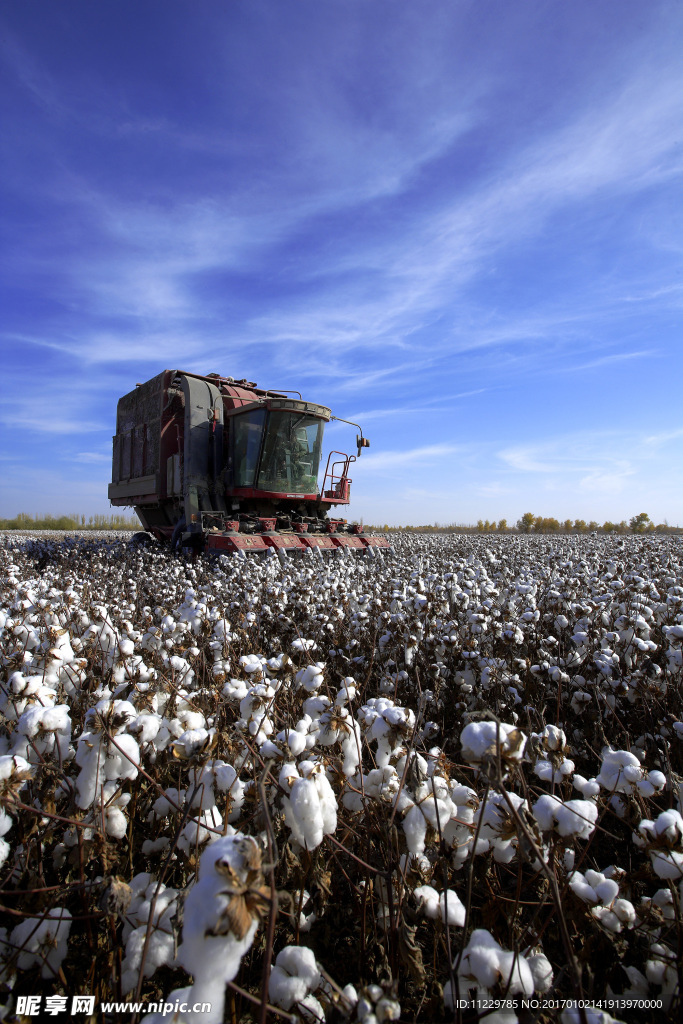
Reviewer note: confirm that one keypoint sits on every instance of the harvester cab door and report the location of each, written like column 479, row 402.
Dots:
column 203, row 488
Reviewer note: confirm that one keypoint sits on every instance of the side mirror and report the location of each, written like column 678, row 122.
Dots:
column 362, row 442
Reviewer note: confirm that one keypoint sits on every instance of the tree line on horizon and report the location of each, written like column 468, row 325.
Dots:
column 73, row 521
column 529, row 523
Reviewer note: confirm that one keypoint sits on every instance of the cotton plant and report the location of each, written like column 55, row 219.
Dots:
column 483, row 743
column 309, row 803
column 663, row 840
column 23, row 691
column 622, row 772
column 105, row 758
column 294, row 978
column 600, row 889
column 42, row 941
column 497, row 828
column 149, row 899
column 15, row 772
column 551, row 763
column 568, row 818
column 445, row 906
column 485, row 967
column 44, row 733
column 373, row 1005
column 222, row 912
column 431, row 807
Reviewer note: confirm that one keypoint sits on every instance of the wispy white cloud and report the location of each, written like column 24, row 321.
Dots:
column 91, row 457
column 663, row 438
column 595, row 463
column 427, row 454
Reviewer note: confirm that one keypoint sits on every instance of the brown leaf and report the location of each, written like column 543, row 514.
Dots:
column 116, row 897
column 410, row 952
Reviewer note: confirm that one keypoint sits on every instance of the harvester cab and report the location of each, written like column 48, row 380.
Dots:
column 213, row 463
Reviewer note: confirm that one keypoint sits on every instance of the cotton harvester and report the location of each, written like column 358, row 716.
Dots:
column 217, row 464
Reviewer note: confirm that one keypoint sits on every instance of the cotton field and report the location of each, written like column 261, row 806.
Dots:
column 439, row 784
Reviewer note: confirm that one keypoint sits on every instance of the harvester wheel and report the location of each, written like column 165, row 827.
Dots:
column 142, row 539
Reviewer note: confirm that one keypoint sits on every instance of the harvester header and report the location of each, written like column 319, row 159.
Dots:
column 217, row 463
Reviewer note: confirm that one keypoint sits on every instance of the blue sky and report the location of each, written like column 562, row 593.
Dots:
column 457, row 222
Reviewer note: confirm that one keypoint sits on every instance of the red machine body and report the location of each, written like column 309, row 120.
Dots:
column 207, row 461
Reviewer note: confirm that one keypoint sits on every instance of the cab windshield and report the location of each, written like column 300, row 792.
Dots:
column 291, row 453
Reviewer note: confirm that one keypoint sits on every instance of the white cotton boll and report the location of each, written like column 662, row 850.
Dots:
column 665, row 831
column 169, row 802
column 625, row 911
column 328, row 803
column 573, row 818
column 303, row 645
column 307, row 918
column 544, row 811
column 577, row 818
column 481, row 740
column 667, row 864
column 387, row 1009
column 90, row 757
column 351, row 747
column 300, row 961
column 160, row 951
column 607, row 919
column 428, row 899
column 115, row 822
column 192, row 742
column 123, row 759
column 481, row 964
column 235, row 690
column 452, row 910
column 293, row 740
column 303, row 814
column 43, row 941
column 311, row 1010
column 415, row 829
column 210, row 951
column 200, row 830
column 619, row 770
column 310, row 678
column 346, row 692
column 587, row 787
column 541, row 972
column 549, row 773
column 607, row 890
column 5, row 822
column 146, row 727
column 252, row 663
column 288, row 774
column 516, row 974
column 150, row 847
column 285, row 990
column 192, row 719
column 638, row 985
column 350, row 995
column 579, row 885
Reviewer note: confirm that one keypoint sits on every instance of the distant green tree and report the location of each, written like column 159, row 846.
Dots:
column 502, row 525
column 546, row 525
column 567, row 525
column 526, row 523
column 580, row 525
column 639, row 524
